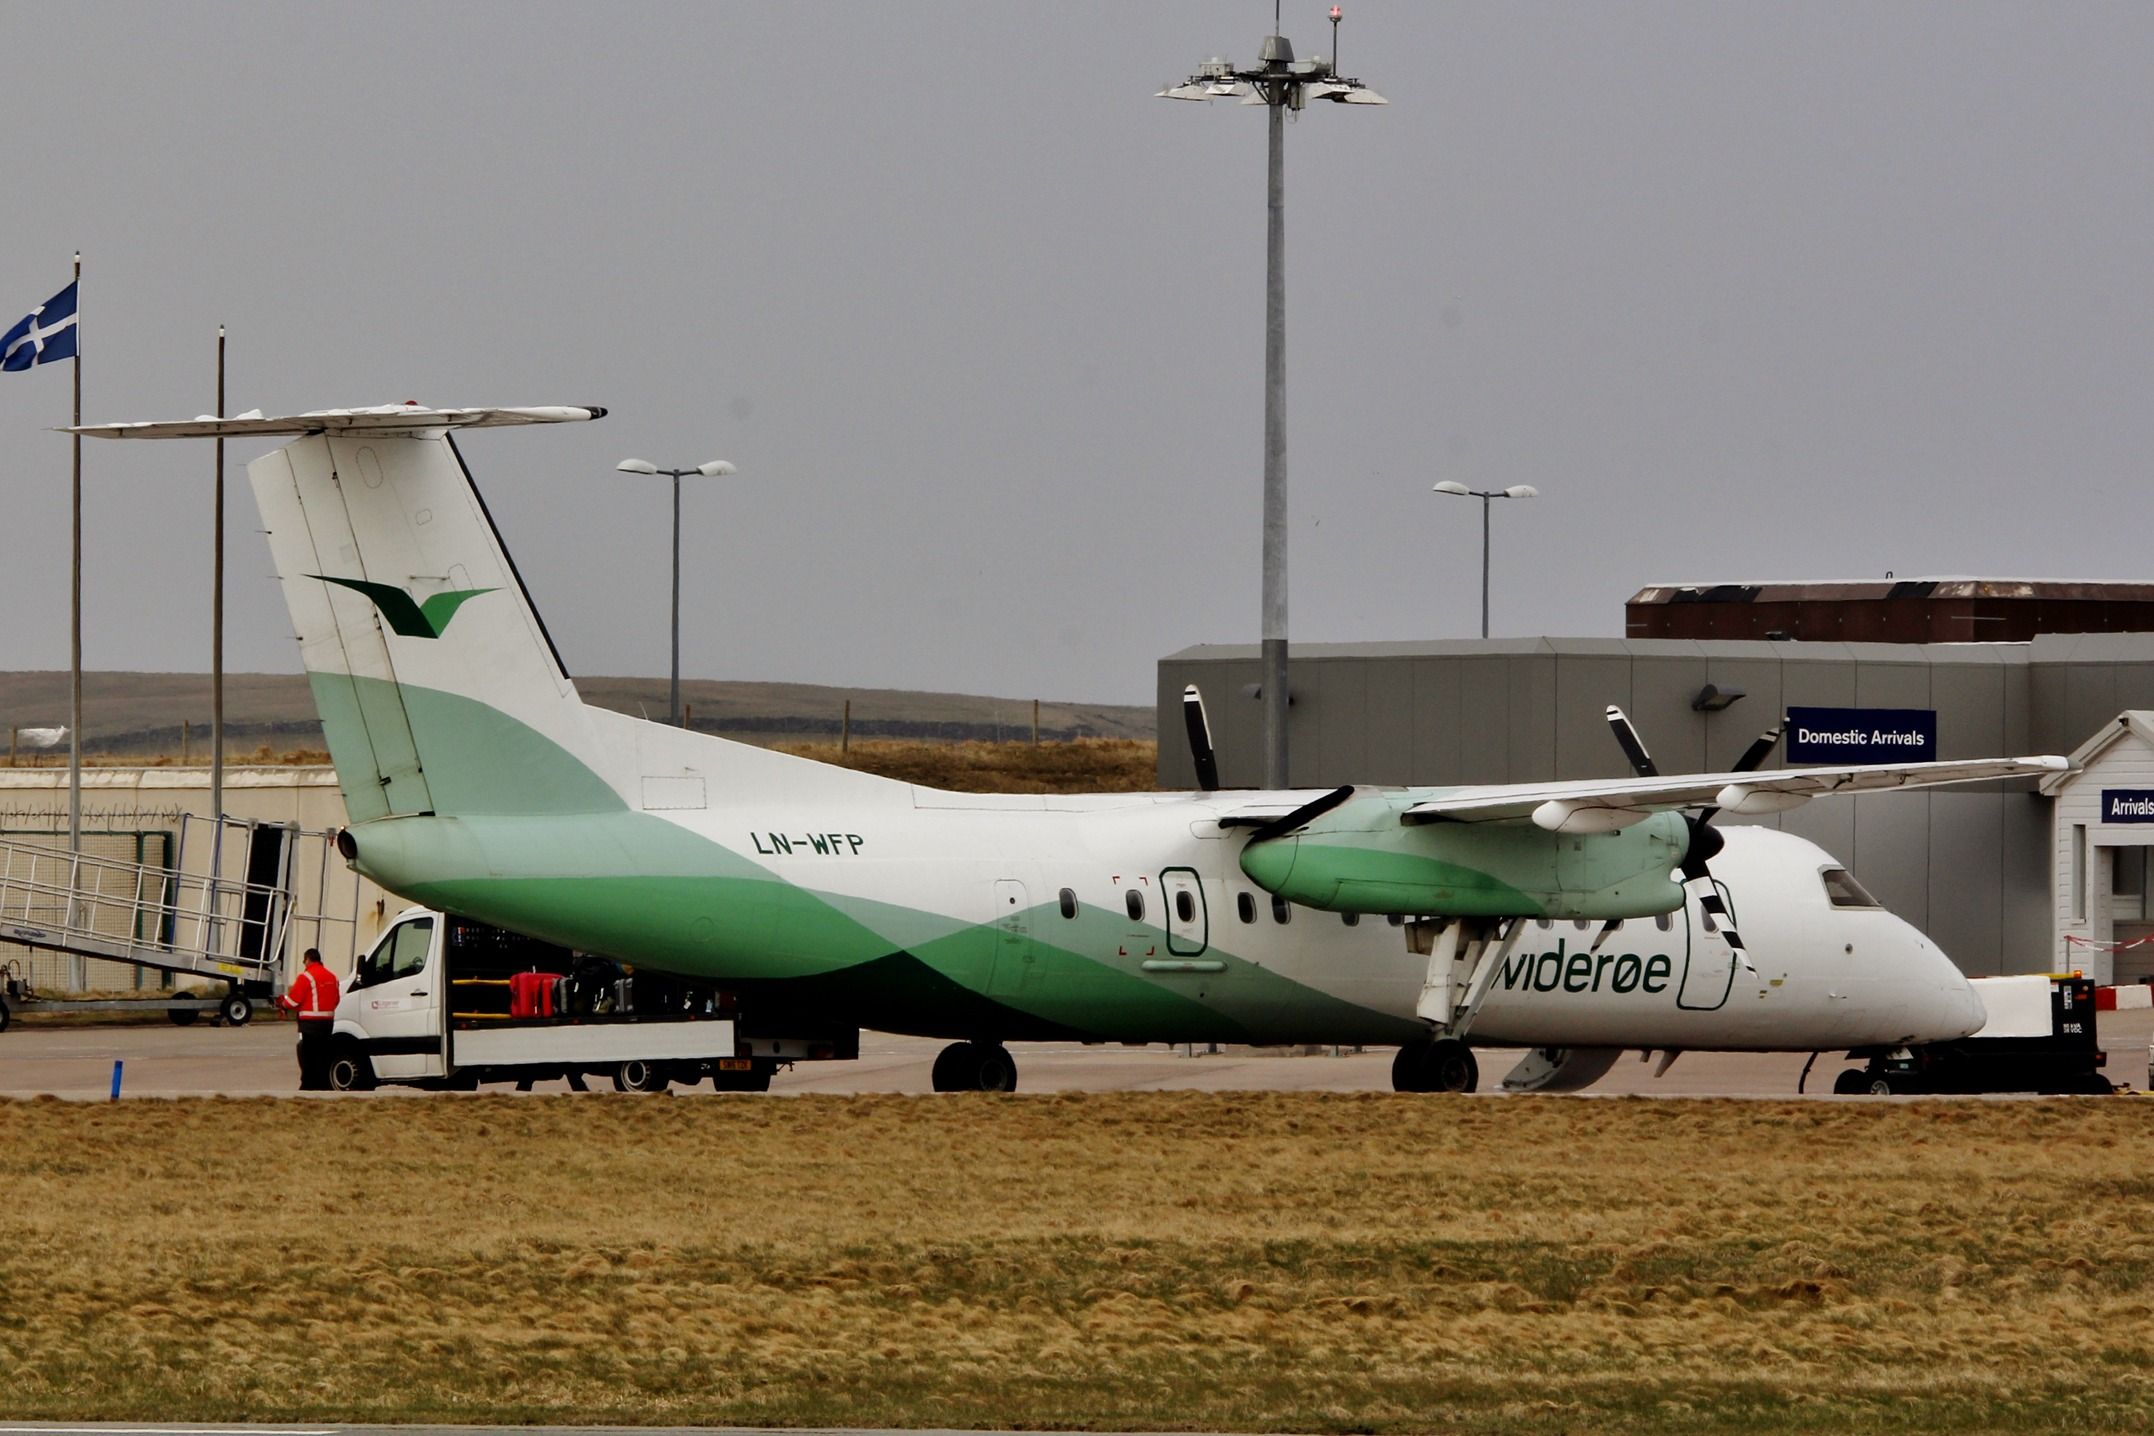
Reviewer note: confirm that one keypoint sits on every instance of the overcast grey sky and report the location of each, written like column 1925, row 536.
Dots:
column 1788, row 291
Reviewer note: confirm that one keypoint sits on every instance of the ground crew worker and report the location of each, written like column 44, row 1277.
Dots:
column 313, row 999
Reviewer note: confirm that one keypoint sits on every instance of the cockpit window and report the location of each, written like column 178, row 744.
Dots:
column 1842, row 890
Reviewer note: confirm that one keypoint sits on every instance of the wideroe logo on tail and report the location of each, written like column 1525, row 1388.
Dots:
column 405, row 615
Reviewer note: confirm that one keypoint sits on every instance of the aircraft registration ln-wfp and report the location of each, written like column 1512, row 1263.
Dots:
column 1575, row 918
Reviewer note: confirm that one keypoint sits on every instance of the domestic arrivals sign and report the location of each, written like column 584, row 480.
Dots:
column 1862, row 735
column 2128, row 805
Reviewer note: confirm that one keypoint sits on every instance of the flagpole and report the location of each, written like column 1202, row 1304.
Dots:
column 74, row 632
column 216, row 620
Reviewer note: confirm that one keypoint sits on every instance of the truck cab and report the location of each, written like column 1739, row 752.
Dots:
column 445, row 1001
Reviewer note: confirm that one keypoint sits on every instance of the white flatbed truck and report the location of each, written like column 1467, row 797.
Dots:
column 430, row 1005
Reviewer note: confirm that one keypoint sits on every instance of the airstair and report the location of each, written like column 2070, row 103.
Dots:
column 223, row 907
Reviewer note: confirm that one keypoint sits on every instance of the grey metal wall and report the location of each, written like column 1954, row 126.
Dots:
column 1969, row 866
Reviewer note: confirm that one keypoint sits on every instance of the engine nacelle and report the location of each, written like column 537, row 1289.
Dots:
column 1360, row 858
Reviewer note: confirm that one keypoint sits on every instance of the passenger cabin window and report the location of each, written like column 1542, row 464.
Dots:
column 1280, row 912
column 400, row 954
column 1069, row 903
column 1351, row 919
column 1663, row 921
column 1134, row 901
column 1395, row 919
column 1245, row 905
column 1185, row 906
column 1843, row 891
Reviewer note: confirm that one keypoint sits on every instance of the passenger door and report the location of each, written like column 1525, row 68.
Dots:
column 1016, row 963
column 1708, row 961
column 396, row 996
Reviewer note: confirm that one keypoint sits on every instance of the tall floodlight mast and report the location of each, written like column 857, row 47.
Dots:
column 1282, row 83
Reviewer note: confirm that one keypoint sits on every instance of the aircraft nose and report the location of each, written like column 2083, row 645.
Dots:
column 1950, row 1007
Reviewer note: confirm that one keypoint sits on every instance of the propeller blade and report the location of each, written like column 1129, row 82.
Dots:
column 1200, row 739
column 1718, row 919
column 1758, row 752
column 1302, row 816
column 1607, row 931
column 1633, row 747
column 1753, row 755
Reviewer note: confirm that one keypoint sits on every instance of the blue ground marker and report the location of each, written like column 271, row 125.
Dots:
column 116, row 1066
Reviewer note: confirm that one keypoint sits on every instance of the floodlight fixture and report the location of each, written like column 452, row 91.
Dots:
column 712, row 469
column 1280, row 83
column 1457, row 489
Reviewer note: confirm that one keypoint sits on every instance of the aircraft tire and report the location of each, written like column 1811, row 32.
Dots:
column 945, row 1076
column 975, row 1067
column 1443, row 1066
column 993, row 1068
column 1851, row 1083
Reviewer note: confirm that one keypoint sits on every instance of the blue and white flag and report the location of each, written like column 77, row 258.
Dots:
column 45, row 334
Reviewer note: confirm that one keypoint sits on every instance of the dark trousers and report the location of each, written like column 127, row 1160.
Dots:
column 314, row 1055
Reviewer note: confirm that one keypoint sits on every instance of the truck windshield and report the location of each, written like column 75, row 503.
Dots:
column 399, row 954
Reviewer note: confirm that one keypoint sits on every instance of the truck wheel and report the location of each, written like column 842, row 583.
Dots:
column 637, row 1075
column 349, row 1070
column 235, row 1010
column 1850, row 1083
column 1882, row 1085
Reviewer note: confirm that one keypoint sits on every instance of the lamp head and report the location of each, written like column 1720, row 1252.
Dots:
column 636, row 466
column 1450, row 486
column 1522, row 491
column 716, row 469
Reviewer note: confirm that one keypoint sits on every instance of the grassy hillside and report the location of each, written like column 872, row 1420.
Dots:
column 142, row 714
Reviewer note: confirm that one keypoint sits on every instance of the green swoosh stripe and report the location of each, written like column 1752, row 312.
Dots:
column 410, row 619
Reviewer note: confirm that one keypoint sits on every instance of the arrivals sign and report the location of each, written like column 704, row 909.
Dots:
column 1862, row 735
column 2128, row 805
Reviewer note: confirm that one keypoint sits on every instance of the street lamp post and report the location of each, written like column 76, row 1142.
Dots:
column 1281, row 83
column 716, row 468
column 1515, row 491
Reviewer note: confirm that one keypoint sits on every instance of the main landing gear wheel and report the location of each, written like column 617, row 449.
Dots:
column 1851, row 1083
column 975, row 1067
column 1443, row 1065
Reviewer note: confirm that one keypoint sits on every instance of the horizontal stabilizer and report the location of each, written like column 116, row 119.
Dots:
column 382, row 419
column 1739, row 793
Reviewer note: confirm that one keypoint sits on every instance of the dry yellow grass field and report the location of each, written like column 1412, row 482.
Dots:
column 1247, row 1261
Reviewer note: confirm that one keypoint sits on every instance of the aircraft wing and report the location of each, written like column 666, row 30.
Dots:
column 1603, row 805
column 381, row 419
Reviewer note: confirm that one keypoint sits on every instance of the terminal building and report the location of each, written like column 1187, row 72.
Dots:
column 2006, row 877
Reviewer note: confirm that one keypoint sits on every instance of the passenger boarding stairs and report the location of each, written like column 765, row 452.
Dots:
column 222, row 908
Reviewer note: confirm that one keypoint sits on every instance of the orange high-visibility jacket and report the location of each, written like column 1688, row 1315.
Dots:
column 313, row 995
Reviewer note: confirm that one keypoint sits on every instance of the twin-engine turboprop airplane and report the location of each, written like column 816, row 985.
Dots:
column 477, row 781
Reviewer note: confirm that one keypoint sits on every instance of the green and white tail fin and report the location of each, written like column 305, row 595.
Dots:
column 438, row 687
